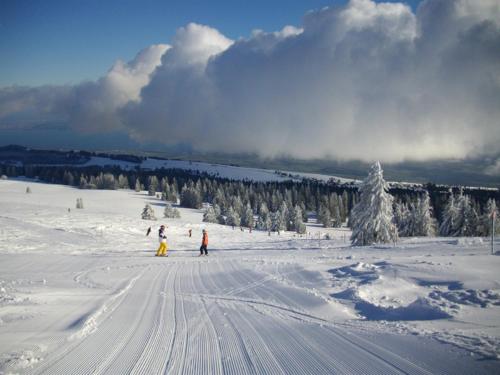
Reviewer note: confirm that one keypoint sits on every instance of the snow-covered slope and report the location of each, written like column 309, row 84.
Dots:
column 81, row 292
column 219, row 170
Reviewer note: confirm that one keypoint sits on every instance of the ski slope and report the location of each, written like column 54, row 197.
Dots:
column 82, row 293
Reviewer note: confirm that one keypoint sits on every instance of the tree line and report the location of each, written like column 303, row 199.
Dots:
column 286, row 205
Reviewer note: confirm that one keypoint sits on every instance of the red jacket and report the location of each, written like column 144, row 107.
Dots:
column 204, row 240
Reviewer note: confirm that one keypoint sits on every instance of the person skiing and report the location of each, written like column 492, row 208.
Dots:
column 204, row 243
column 162, row 237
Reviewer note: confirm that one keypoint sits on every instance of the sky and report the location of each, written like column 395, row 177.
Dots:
column 354, row 79
column 68, row 41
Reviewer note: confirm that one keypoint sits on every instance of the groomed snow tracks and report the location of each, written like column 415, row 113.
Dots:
column 216, row 316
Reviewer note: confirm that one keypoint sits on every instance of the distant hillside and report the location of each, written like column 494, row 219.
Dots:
column 447, row 172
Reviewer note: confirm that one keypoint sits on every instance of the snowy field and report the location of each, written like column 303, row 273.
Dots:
column 218, row 170
column 82, row 293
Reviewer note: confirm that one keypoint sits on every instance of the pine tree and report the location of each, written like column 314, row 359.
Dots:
column 171, row 212
column 486, row 219
column 153, row 185
column 210, row 216
column 401, row 219
column 232, row 217
column 247, row 219
column 137, row 185
column 468, row 219
column 372, row 217
column 148, row 213
column 449, row 220
column 423, row 223
column 324, row 216
column 79, row 203
column 123, row 182
column 277, row 222
column 190, row 197
column 298, row 224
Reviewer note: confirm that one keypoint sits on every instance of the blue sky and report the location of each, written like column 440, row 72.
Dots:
column 68, row 41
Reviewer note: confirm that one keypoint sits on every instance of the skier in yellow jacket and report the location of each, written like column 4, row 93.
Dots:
column 162, row 237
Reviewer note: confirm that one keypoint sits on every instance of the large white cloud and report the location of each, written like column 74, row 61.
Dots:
column 362, row 81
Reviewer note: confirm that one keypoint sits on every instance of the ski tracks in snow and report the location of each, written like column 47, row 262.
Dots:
column 216, row 316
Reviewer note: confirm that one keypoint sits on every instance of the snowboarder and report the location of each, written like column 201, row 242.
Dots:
column 162, row 237
column 204, row 243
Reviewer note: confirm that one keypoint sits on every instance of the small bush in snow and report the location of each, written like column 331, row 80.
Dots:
column 148, row 213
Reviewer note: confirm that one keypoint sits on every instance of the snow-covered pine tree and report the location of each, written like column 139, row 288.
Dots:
column 449, row 220
column 247, row 219
column 298, row 224
column 79, row 203
column 68, row 178
column 190, row 197
column 486, row 222
column 148, row 213
column 209, row 216
column 423, row 223
column 123, row 182
column 401, row 218
column 263, row 221
column 372, row 217
column 171, row 212
column 277, row 221
column 83, row 182
column 232, row 217
column 324, row 216
column 137, row 185
column 468, row 219
column 153, row 185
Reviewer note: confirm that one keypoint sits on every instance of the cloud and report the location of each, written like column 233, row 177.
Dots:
column 362, row 81
column 87, row 107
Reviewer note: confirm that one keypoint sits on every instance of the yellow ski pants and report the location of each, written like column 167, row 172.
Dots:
column 162, row 250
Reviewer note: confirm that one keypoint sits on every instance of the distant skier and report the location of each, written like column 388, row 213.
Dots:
column 190, row 232
column 162, row 237
column 149, row 231
column 204, row 243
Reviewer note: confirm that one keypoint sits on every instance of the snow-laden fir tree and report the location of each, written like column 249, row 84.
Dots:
column 468, row 219
column 171, row 212
column 372, row 217
column 298, row 224
column 277, row 221
column 123, row 182
column 232, row 217
column 423, row 223
column 153, row 185
column 209, row 216
column 401, row 219
column 247, row 219
column 191, row 197
column 148, row 213
column 486, row 219
column 79, row 203
column 137, row 185
column 324, row 216
column 449, row 220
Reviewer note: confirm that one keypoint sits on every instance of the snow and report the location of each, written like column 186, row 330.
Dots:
column 81, row 292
